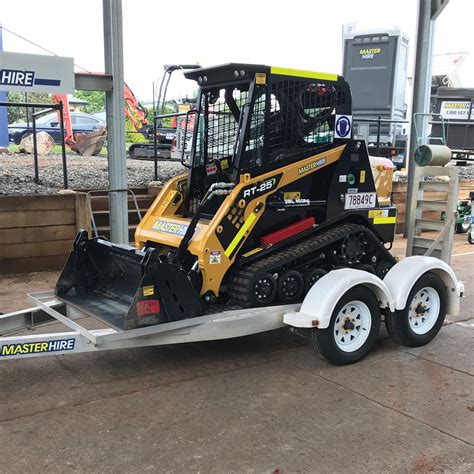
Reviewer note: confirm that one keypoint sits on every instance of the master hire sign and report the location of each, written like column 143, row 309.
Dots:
column 36, row 73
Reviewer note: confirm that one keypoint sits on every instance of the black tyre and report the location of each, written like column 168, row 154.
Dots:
column 264, row 289
column 461, row 228
column 469, row 238
column 290, row 286
column 365, row 267
column 312, row 277
column 424, row 314
column 353, row 329
column 353, row 248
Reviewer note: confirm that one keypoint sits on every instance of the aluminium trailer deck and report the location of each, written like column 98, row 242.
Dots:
column 223, row 325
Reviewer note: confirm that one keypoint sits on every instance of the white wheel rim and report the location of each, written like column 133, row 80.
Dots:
column 424, row 310
column 352, row 326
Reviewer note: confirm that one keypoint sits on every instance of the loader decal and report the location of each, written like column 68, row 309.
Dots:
column 312, row 166
column 170, row 227
column 37, row 347
column 383, row 216
column 240, row 235
column 260, row 188
column 148, row 307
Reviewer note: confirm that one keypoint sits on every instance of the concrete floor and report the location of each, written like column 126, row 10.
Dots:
column 263, row 403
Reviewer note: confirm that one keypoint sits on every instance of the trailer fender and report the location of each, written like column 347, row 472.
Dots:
column 322, row 298
column 402, row 276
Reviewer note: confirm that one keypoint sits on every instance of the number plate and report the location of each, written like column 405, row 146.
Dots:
column 360, row 201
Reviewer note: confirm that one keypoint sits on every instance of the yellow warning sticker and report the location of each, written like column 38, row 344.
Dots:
column 251, row 252
column 376, row 213
column 385, row 220
column 224, row 164
column 362, row 177
column 291, row 195
column 260, row 78
column 148, row 290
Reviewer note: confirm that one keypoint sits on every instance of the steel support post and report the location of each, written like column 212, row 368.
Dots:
column 421, row 89
column 3, row 112
column 116, row 155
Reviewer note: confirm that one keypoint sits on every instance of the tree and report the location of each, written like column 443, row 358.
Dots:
column 131, row 134
column 95, row 99
column 17, row 114
column 168, row 109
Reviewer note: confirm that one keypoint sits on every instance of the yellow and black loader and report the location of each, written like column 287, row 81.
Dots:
column 276, row 195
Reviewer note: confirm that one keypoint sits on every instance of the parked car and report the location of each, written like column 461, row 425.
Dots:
column 82, row 123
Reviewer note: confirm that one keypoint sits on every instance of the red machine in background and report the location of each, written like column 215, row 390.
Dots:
column 136, row 113
column 83, row 143
column 69, row 137
column 133, row 109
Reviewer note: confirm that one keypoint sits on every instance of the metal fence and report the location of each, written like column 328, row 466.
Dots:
column 379, row 121
column 46, row 108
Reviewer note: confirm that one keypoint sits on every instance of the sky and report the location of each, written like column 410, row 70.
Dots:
column 302, row 34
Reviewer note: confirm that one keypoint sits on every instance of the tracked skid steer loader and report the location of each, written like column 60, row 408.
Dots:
column 277, row 194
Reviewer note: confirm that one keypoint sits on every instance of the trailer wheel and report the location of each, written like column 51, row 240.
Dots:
column 424, row 314
column 353, row 329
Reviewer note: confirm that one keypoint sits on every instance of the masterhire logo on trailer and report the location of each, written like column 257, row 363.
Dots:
column 38, row 347
column 36, row 73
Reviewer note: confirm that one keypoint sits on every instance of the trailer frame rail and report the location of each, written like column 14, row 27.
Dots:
column 47, row 309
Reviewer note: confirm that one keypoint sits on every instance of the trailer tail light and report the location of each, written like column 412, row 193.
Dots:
column 315, row 323
column 287, row 232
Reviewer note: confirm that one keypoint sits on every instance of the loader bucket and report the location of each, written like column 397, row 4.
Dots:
column 124, row 287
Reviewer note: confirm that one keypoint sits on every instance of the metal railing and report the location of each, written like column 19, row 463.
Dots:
column 108, row 191
column 47, row 108
column 155, row 136
column 379, row 121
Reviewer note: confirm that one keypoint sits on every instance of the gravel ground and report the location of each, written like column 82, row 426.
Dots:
column 466, row 172
column 17, row 173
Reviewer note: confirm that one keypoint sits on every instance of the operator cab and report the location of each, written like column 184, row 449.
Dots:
column 252, row 119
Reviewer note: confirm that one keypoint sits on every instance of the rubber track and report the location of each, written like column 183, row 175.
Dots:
column 240, row 283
